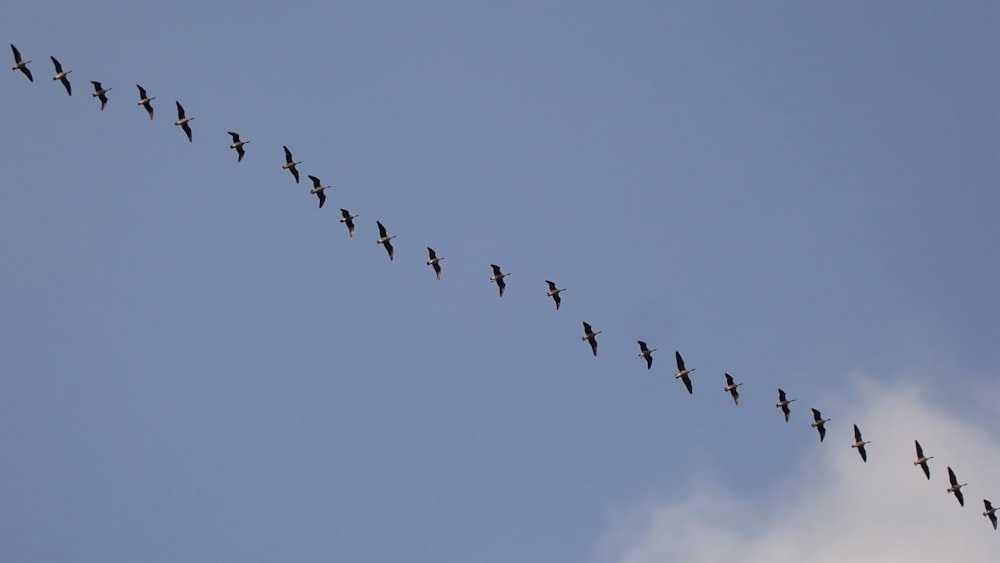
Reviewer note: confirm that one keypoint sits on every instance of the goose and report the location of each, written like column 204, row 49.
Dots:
column 238, row 145
column 384, row 238
column 61, row 75
column 19, row 64
column 783, row 404
column 348, row 219
column 553, row 292
column 432, row 261
column 731, row 388
column 183, row 120
column 590, row 336
column 860, row 444
column 922, row 460
column 145, row 100
column 683, row 372
column 498, row 277
column 646, row 354
column 990, row 513
column 818, row 422
column 290, row 164
column 955, row 487
column 318, row 190
column 101, row 93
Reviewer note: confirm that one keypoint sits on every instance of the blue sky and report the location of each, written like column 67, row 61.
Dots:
column 200, row 365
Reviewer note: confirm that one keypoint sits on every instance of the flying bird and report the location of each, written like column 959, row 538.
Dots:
column 590, row 336
column 922, row 460
column 731, row 388
column 860, row 444
column 318, row 189
column 145, row 100
column 100, row 93
column 290, row 164
column 61, row 75
column 783, row 404
column 19, row 64
column 646, row 354
column 348, row 219
column 990, row 513
column 432, row 261
column 238, row 145
column 683, row 372
column 818, row 424
column 183, row 120
column 553, row 292
column 498, row 277
column 955, row 487
column 383, row 238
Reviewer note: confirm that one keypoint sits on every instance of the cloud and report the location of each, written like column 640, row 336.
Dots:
column 833, row 507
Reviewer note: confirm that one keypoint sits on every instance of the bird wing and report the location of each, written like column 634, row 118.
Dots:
column 345, row 213
column 556, row 298
column 295, row 173
column 315, row 181
column 781, row 395
column 822, row 432
column 864, row 454
column 65, row 82
column 501, row 285
column 27, row 73
column 920, row 451
column 857, row 433
column 687, row 383
column 988, row 505
column 593, row 344
column 322, row 197
column 56, row 63
column 288, row 154
column 241, row 152
column 235, row 136
column 649, row 361
column 952, row 478
column 187, row 130
column 388, row 248
column 430, row 253
column 729, row 380
column 586, row 328
column 680, row 361
column 180, row 110
column 960, row 497
column 786, row 410
column 97, row 85
column 17, row 54
column 642, row 345
column 381, row 229
column 816, row 416
column 142, row 92
column 496, row 269
column 552, row 285
column 927, row 470
column 437, row 269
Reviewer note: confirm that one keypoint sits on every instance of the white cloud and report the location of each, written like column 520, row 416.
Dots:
column 836, row 508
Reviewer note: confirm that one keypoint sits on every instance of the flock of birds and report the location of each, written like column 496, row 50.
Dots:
column 434, row 261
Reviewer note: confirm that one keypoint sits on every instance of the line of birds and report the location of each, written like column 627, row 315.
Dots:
column 589, row 334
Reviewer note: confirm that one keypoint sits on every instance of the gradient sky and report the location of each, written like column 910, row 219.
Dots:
column 200, row 365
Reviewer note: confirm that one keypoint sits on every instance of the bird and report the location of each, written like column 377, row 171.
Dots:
column 348, row 219
column 145, row 100
column 922, row 460
column 990, row 513
column 498, row 277
column 818, row 422
column 238, row 145
column 432, row 261
column 955, row 487
column 19, row 64
column 61, row 75
column 783, row 404
column 290, row 164
column 590, row 336
column 318, row 190
column 683, row 372
column 860, row 444
column 554, row 293
column 646, row 354
column 731, row 387
column 183, row 120
column 383, row 238
column 100, row 93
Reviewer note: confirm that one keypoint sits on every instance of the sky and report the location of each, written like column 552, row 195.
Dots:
column 200, row 365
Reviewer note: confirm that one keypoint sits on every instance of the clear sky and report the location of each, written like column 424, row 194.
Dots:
column 200, row 365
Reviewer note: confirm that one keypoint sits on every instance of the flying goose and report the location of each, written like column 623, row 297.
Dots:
column 955, row 487
column 61, row 75
column 783, row 404
column 183, row 120
column 646, row 354
column 731, row 388
column 290, row 164
column 383, row 238
column 860, row 444
column 145, row 100
column 100, row 93
column 348, row 219
column 432, row 261
column 318, row 189
column 19, row 64
column 238, row 145
column 553, row 292
column 498, row 277
column 590, row 336
column 683, row 372
column 922, row 460
column 990, row 513
column 818, row 422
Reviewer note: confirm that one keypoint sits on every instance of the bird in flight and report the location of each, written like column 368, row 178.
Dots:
column 348, row 219
column 290, row 164
column 683, row 373
column 646, row 354
column 783, row 404
column 860, row 444
column 145, row 100
column 818, row 423
column 498, row 277
column 183, row 120
column 318, row 189
column 553, row 292
column 955, row 487
column 384, row 238
column 590, row 336
column 433, row 261
column 922, row 460
column 20, row 64
column 238, row 145
column 731, row 388
column 61, row 75
column 101, row 93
